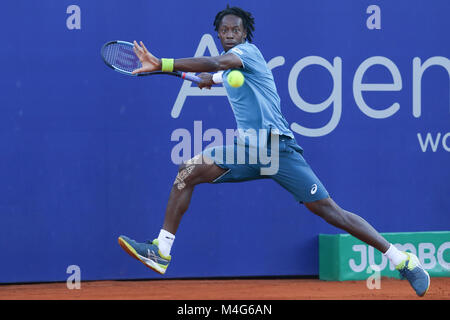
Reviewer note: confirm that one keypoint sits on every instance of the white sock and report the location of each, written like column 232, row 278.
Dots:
column 394, row 255
column 165, row 240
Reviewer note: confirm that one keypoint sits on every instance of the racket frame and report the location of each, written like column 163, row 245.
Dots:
column 180, row 74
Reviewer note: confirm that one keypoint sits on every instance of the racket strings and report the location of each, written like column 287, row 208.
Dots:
column 121, row 56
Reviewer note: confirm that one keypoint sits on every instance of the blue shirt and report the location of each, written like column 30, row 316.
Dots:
column 256, row 104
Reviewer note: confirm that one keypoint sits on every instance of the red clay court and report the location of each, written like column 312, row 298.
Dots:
column 225, row 289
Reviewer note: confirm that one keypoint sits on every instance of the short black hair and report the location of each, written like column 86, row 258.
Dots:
column 247, row 19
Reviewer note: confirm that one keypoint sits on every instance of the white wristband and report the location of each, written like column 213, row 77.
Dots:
column 217, row 77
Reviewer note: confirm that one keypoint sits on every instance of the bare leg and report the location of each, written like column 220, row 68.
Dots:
column 195, row 171
column 350, row 222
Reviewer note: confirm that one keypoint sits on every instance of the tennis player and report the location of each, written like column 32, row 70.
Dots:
column 256, row 105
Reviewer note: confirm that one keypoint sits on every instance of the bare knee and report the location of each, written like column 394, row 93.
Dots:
column 186, row 176
column 320, row 207
column 194, row 171
column 328, row 210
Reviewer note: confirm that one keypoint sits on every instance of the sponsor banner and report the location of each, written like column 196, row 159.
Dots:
column 343, row 257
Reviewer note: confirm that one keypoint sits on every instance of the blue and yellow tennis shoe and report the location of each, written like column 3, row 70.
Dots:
column 413, row 271
column 147, row 252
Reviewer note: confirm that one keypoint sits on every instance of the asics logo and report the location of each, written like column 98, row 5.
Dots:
column 153, row 256
column 314, row 188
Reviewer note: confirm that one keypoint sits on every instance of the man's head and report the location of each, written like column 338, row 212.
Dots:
column 234, row 26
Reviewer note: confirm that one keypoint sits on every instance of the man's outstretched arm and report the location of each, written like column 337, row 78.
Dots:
column 151, row 63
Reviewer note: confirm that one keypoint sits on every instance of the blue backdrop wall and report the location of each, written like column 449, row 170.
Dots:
column 86, row 153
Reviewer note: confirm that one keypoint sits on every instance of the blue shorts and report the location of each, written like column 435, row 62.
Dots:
column 293, row 172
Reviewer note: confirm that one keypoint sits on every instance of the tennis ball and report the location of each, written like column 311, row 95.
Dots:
column 235, row 78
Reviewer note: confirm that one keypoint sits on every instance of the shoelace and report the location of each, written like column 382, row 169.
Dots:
column 413, row 275
column 403, row 273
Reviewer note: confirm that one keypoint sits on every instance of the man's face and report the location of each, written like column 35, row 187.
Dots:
column 231, row 32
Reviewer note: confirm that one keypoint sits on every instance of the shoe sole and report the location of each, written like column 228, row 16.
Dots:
column 149, row 263
column 429, row 282
column 416, row 260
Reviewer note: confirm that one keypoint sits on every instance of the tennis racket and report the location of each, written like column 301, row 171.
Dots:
column 119, row 56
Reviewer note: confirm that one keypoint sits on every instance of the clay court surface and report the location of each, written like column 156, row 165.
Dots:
column 225, row 289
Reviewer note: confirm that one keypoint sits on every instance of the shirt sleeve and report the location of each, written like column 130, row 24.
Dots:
column 247, row 55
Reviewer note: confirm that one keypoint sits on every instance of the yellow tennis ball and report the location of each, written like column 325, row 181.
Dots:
column 235, row 79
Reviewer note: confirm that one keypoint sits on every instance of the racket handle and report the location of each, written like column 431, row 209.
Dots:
column 190, row 77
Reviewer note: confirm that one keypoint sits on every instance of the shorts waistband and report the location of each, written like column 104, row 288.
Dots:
column 282, row 137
